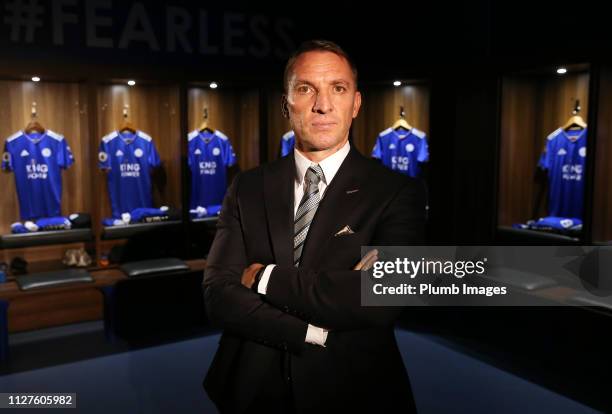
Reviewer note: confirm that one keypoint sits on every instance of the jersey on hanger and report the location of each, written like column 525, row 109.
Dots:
column 129, row 157
column 402, row 151
column 564, row 158
column 37, row 160
column 287, row 143
column 209, row 156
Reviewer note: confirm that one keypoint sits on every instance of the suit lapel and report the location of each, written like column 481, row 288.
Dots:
column 339, row 200
column 279, row 194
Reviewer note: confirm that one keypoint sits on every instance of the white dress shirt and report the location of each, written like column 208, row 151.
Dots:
column 330, row 167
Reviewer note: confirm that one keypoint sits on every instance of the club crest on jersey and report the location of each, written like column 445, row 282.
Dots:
column 46, row 152
column 562, row 151
column 24, row 153
column 102, row 156
column 216, row 151
column 582, row 152
column 119, row 153
column 409, row 147
column 138, row 153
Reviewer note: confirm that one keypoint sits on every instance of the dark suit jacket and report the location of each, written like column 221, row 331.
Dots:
column 360, row 369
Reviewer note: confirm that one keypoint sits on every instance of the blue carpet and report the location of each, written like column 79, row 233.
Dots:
column 167, row 379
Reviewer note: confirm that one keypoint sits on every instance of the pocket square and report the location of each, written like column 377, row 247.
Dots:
column 344, row 231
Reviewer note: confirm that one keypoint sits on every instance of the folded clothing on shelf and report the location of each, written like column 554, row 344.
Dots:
column 562, row 225
column 144, row 215
column 206, row 211
column 43, row 224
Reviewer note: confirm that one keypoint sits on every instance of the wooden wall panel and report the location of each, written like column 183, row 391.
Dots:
column 556, row 100
column 519, row 148
column 532, row 108
column 43, row 255
column 233, row 112
column 56, row 309
column 154, row 109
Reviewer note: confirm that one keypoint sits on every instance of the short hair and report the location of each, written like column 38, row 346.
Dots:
column 317, row 46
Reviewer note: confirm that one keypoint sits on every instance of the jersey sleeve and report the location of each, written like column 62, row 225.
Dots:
column 545, row 161
column 7, row 158
column 423, row 155
column 64, row 157
column 103, row 156
column 377, row 150
column 286, row 146
column 230, row 156
column 154, row 160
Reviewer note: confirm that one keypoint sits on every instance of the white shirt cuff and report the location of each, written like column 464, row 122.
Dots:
column 262, row 287
column 316, row 335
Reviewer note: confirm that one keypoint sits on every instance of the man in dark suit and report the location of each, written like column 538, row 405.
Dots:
column 283, row 274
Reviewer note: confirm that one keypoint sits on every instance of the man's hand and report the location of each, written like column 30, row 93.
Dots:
column 248, row 274
column 367, row 261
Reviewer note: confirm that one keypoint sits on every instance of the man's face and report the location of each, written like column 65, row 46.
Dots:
column 322, row 101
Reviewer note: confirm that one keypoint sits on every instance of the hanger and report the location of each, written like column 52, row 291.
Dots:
column 401, row 123
column 34, row 125
column 575, row 121
column 204, row 127
column 126, row 125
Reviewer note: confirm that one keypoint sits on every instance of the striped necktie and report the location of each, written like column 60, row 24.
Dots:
column 306, row 210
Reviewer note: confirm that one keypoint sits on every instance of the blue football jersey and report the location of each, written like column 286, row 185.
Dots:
column 209, row 156
column 287, row 143
column 129, row 159
column 564, row 158
column 37, row 160
column 402, row 151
